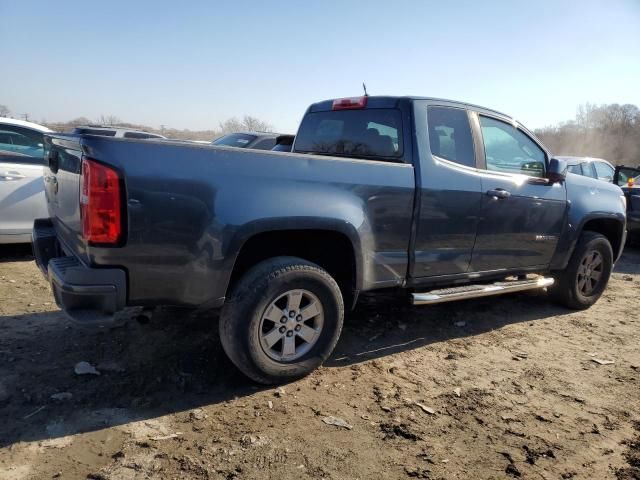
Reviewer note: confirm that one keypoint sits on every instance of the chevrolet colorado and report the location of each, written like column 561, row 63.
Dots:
column 443, row 199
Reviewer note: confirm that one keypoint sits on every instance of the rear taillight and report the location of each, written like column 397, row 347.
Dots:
column 100, row 207
column 352, row 103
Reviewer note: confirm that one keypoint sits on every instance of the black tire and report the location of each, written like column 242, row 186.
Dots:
column 568, row 289
column 241, row 320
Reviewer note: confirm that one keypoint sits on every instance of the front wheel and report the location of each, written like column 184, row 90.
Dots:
column 581, row 284
column 282, row 321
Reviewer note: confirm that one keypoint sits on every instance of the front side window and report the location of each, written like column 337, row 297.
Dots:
column 509, row 150
column 450, row 135
column 21, row 145
column 604, row 171
column 374, row 133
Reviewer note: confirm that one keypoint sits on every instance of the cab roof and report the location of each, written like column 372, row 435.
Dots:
column 382, row 101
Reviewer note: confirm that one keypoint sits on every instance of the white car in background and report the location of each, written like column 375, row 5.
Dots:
column 590, row 167
column 21, row 184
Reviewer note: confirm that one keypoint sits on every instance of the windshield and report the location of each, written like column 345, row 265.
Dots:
column 367, row 133
column 240, row 140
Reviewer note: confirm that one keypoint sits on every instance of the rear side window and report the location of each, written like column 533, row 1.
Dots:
column 509, row 150
column 577, row 169
column 367, row 133
column 239, row 140
column 585, row 169
column 588, row 170
column 450, row 135
column 604, row 171
column 21, row 145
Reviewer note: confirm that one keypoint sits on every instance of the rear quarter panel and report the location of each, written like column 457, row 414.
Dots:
column 190, row 209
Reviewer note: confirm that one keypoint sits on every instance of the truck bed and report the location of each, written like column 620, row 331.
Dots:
column 189, row 208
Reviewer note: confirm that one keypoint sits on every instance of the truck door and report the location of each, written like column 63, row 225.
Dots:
column 450, row 191
column 522, row 214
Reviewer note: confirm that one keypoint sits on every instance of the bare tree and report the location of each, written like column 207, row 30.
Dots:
column 4, row 111
column 231, row 125
column 108, row 120
column 608, row 131
column 248, row 124
column 255, row 125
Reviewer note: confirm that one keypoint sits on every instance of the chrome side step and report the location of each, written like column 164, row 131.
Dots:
column 476, row 291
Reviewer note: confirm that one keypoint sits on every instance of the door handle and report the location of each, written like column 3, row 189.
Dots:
column 498, row 193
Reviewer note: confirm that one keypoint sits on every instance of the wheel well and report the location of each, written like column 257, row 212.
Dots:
column 330, row 250
column 612, row 229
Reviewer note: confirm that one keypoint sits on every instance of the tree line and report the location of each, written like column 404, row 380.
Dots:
column 234, row 124
column 608, row 131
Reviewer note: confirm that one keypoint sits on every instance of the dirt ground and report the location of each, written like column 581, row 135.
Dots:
column 498, row 388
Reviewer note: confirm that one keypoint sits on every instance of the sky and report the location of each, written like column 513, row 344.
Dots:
column 192, row 64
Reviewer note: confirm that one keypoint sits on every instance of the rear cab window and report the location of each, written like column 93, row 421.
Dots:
column 266, row 144
column 238, row 140
column 368, row 133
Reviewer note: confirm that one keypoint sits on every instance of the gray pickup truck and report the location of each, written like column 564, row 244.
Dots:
column 442, row 199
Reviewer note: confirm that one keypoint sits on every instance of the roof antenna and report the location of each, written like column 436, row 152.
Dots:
column 365, row 89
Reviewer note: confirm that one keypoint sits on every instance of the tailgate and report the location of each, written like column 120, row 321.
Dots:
column 63, row 152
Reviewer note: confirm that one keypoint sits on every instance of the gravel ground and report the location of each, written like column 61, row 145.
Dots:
column 498, row 388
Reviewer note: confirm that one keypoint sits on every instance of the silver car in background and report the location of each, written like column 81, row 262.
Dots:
column 21, row 184
column 590, row 167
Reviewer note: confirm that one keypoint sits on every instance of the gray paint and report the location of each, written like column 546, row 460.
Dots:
column 190, row 208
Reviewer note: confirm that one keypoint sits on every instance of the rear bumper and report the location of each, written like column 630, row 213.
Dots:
column 86, row 295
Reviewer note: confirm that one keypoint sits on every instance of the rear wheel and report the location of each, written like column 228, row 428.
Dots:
column 581, row 284
column 282, row 320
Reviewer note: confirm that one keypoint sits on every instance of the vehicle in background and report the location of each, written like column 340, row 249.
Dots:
column 21, row 187
column 628, row 178
column 284, row 143
column 115, row 131
column 590, row 167
column 253, row 140
column 440, row 199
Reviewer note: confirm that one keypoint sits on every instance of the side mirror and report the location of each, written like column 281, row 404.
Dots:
column 557, row 170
